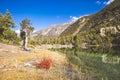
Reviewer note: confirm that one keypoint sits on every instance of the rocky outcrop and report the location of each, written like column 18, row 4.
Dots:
column 112, row 30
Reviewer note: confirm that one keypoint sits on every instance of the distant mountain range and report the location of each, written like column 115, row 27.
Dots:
column 53, row 30
column 108, row 17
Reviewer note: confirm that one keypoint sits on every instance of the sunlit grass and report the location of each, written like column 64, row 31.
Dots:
column 12, row 66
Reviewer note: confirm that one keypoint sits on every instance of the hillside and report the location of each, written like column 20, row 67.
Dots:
column 75, row 27
column 107, row 17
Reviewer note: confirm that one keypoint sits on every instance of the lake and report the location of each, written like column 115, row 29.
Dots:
column 101, row 63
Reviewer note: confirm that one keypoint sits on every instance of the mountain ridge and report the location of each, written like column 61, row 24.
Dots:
column 107, row 17
column 53, row 30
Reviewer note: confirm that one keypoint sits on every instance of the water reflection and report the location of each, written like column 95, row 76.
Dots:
column 101, row 63
column 105, row 50
column 111, row 60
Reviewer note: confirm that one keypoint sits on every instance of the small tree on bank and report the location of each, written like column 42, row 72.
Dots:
column 25, row 32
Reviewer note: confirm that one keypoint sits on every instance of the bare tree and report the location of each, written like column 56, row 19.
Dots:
column 25, row 32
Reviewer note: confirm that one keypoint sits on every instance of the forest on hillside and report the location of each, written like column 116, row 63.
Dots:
column 90, row 37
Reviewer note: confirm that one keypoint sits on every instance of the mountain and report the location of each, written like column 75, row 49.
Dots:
column 76, row 26
column 52, row 31
column 108, row 18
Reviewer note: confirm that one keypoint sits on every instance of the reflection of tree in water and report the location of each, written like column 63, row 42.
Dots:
column 106, row 50
column 116, row 50
column 106, row 66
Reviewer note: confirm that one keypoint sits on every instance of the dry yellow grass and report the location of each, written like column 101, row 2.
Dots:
column 16, row 64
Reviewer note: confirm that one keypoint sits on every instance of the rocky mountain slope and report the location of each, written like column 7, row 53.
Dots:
column 107, row 17
column 53, row 31
column 75, row 27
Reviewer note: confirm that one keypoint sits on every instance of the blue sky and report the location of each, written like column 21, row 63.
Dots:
column 44, row 13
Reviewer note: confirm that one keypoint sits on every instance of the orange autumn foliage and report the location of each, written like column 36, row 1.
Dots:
column 45, row 63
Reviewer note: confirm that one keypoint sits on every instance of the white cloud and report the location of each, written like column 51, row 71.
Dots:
column 98, row 2
column 74, row 18
column 34, row 31
column 108, row 2
column 17, row 31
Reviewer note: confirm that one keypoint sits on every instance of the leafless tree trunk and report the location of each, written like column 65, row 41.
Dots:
column 26, row 29
column 25, row 41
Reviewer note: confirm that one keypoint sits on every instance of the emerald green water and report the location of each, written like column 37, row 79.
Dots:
column 99, row 64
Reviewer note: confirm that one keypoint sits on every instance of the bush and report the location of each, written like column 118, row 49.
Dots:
column 32, row 42
column 45, row 63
